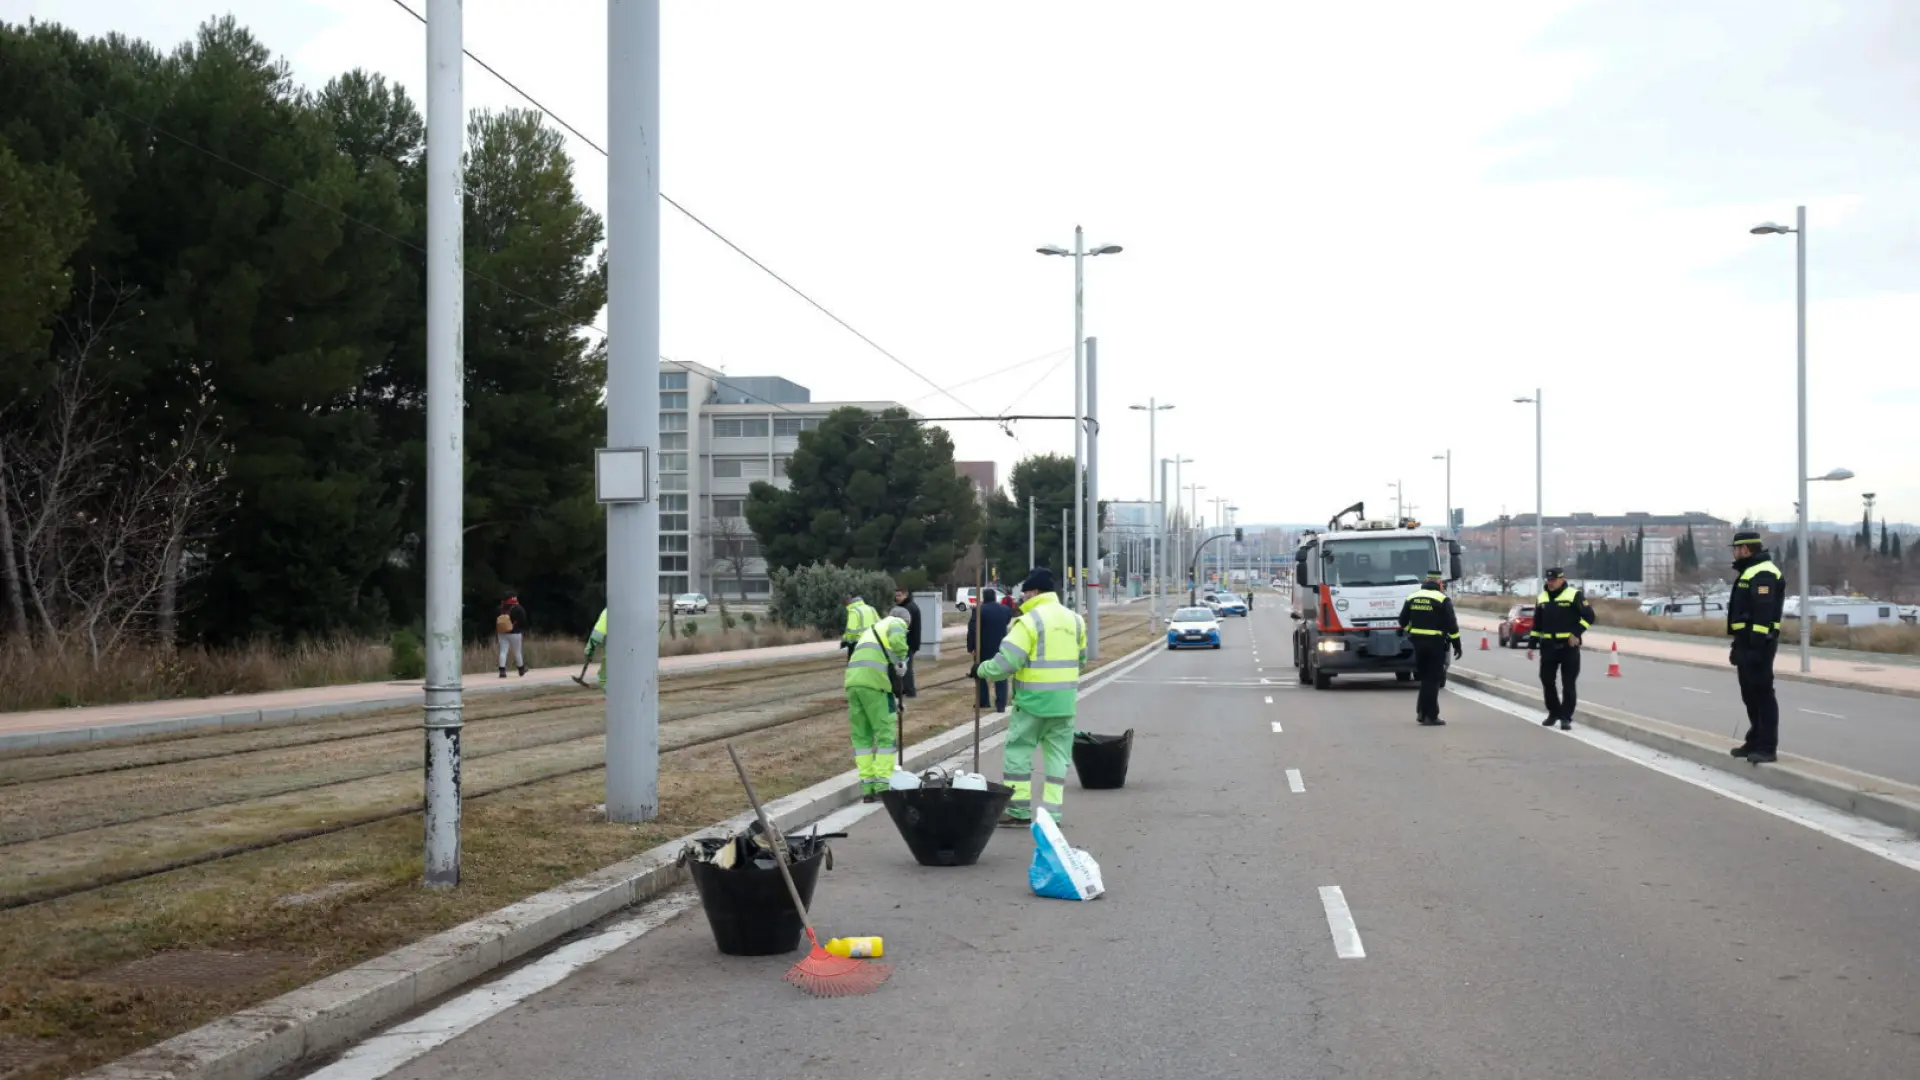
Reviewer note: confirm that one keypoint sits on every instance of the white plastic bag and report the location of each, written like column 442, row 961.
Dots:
column 1059, row 870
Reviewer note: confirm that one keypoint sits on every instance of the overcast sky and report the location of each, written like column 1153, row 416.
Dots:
column 1353, row 232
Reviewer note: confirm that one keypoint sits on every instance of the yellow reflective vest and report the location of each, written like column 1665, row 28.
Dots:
column 1042, row 654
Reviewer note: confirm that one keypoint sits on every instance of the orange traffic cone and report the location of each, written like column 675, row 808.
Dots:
column 1613, row 662
column 1483, row 643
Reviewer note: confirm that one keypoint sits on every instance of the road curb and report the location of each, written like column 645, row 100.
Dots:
column 1876, row 798
column 332, row 1013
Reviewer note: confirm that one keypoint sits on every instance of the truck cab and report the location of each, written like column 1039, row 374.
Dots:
column 1349, row 583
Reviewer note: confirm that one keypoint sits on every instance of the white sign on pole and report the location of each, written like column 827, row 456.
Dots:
column 623, row 474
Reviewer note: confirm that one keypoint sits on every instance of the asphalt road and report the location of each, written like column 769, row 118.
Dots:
column 1875, row 733
column 1528, row 906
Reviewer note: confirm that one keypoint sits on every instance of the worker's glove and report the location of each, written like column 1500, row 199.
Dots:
column 1457, row 653
column 973, row 671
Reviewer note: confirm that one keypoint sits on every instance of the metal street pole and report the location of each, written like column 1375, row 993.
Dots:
column 1155, row 464
column 1539, row 488
column 1800, row 332
column 1451, row 531
column 633, row 404
column 446, row 447
column 1030, row 512
column 1090, row 533
column 1066, row 551
column 1079, row 380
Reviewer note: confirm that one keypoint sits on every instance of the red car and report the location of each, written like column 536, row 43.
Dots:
column 1515, row 628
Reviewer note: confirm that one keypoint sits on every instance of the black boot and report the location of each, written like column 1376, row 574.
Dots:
column 1550, row 721
column 1760, row 757
column 1566, row 723
column 523, row 671
column 503, row 673
column 1740, row 751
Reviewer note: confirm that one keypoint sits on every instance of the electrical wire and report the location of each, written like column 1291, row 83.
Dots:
column 697, row 220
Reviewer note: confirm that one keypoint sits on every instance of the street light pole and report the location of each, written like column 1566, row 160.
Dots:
column 1030, row 513
column 1153, row 409
column 1079, row 254
column 1799, row 232
column 1448, row 458
column 1090, row 532
column 1539, row 486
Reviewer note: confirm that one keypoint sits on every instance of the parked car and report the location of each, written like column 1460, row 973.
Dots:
column 1515, row 628
column 1193, row 628
column 692, row 603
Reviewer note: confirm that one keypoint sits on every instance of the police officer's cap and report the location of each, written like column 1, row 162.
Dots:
column 1556, row 572
column 1749, row 537
column 1434, row 577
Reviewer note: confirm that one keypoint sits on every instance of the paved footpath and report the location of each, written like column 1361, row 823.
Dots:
column 316, row 701
column 1302, row 884
column 1830, row 665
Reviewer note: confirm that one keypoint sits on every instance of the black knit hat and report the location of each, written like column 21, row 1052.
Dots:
column 1040, row 579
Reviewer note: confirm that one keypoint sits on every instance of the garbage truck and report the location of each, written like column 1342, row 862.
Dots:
column 1349, row 582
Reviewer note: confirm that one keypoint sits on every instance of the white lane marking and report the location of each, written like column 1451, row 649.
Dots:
column 1891, row 844
column 1294, row 783
column 1263, row 682
column 1269, row 699
column 1829, row 715
column 388, row 1051
column 1276, row 727
column 1696, row 690
column 1346, row 936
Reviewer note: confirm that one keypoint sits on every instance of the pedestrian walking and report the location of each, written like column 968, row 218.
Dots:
column 1428, row 617
column 875, row 666
column 1561, row 616
column 597, row 642
column 860, row 616
column 904, row 606
column 510, row 630
column 985, row 631
column 1753, row 622
column 1042, row 654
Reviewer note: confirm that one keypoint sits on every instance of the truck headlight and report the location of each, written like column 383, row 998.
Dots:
column 1332, row 646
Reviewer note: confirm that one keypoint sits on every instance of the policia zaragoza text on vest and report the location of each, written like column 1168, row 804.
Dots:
column 1428, row 618
column 1560, row 615
column 1753, row 621
column 1042, row 654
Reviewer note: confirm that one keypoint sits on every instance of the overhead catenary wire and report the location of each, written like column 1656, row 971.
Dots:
column 717, row 234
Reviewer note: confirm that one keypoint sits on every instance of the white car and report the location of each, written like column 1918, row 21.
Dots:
column 1193, row 628
column 692, row 603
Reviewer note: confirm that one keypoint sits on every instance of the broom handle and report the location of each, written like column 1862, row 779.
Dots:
column 979, row 606
column 779, row 845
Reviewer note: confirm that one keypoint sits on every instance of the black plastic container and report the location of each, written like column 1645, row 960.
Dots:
column 748, row 907
column 1101, row 760
column 946, row 826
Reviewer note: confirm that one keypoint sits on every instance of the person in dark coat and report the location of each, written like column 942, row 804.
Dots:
column 991, row 627
column 903, row 601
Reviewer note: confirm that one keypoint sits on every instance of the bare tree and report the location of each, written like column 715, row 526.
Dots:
column 1701, row 583
column 103, row 511
column 731, row 545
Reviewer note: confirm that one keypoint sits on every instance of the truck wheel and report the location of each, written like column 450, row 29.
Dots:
column 1403, row 676
column 1321, row 680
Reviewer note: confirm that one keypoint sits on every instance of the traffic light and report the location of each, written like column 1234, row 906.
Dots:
column 1237, row 535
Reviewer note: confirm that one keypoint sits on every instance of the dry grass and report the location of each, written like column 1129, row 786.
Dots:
column 48, row 679
column 337, row 900
column 1625, row 615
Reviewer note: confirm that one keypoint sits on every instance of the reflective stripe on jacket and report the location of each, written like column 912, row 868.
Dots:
column 867, row 667
column 1042, row 654
column 1429, row 613
column 1757, row 601
column 860, row 616
column 1560, row 616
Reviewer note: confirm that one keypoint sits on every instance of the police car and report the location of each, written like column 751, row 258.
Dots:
column 1193, row 628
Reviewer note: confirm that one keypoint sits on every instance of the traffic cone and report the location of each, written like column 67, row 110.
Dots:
column 1483, row 643
column 1613, row 662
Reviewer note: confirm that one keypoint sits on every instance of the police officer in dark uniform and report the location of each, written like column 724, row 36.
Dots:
column 1428, row 618
column 1560, row 616
column 1753, row 621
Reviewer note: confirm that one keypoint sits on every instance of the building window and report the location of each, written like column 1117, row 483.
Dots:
column 673, row 462
column 729, row 508
column 676, row 440
column 673, row 421
column 672, row 585
column 674, row 401
column 739, row 428
column 726, row 468
column 673, row 482
column 673, row 562
column 790, row 426
column 673, row 502
column 780, row 466
column 673, row 380
column 673, row 543
column 731, row 547
column 673, row 523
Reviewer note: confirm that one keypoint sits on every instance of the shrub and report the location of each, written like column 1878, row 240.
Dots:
column 689, row 628
column 409, row 659
column 748, row 618
column 814, row 597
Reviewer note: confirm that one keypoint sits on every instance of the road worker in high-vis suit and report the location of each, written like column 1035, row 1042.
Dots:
column 860, row 616
column 874, row 669
column 1042, row 654
column 597, row 641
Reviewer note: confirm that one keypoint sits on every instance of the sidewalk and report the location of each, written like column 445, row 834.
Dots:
column 1865, row 673
column 52, row 727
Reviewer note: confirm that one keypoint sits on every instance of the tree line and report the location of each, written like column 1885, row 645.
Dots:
column 212, row 350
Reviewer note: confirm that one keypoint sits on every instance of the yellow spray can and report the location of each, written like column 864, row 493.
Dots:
column 861, row 947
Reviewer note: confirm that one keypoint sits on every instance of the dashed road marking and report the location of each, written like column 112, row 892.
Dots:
column 1695, row 690
column 1269, row 701
column 1829, row 715
column 1346, row 935
column 1294, row 783
column 1276, row 727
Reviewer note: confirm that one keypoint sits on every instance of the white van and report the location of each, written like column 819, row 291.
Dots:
column 1666, row 607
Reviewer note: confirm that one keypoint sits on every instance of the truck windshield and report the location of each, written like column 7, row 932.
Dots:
column 1380, row 560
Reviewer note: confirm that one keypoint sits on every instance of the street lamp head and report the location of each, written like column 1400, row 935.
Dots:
column 1835, row 474
column 1768, row 228
column 1107, row 249
column 1523, row 401
column 1053, row 249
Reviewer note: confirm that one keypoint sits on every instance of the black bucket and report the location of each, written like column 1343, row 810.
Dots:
column 748, row 907
column 1101, row 760
column 946, row 826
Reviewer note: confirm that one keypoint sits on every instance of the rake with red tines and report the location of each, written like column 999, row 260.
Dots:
column 821, row 973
